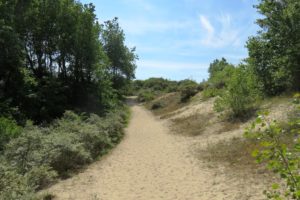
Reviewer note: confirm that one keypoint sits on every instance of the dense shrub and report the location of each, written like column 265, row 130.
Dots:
column 274, row 51
column 188, row 89
column 241, row 94
column 211, row 92
column 157, row 105
column 146, row 95
column 13, row 185
column 220, row 73
column 148, row 89
column 8, row 130
column 28, row 150
column 160, row 84
column 38, row 155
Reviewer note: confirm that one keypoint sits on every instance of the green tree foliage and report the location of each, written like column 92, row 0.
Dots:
column 274, row 53
column 159, row 84
column 53, row 59
column 241, row 93
column 56, row 56
column 148, row 89
column 121, row 58
column 220, row 72
column 11, row 58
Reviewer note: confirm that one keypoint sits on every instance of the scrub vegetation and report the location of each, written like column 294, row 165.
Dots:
column 63, row 76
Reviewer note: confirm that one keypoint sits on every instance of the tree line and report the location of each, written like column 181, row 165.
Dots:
column 55, row 55
column 62, row 80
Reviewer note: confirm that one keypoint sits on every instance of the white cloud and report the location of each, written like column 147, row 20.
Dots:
column 220, row 36
column 207, row 25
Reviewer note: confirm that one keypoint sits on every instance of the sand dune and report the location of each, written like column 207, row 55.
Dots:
column 152, row 164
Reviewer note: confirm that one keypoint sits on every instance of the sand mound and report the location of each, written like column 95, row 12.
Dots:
column 150, row 163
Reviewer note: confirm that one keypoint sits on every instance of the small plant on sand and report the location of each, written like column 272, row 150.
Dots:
column 280, row 149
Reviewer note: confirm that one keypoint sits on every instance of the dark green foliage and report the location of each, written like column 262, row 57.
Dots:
column 157, row 105
column 274, row 53
column 188, row 89
column 158, row 85
column 150, row 88
column 56, row 56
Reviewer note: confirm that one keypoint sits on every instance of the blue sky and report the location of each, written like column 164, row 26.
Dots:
column 177, row 39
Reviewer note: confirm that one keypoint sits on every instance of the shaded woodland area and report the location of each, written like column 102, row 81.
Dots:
column 56, row 56
column 62, row 80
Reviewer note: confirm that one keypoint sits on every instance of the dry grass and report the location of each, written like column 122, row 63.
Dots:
column 191, row 125
column 197, row 123
column 169, row 103
column 235, row 156
column 234, row 153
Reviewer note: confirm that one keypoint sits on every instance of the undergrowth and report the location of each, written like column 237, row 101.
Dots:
column 40, row 155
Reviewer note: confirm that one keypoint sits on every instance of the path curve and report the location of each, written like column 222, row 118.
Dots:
column 148, row 164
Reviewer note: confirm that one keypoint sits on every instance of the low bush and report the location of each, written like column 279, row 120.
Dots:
column 13, row 185
column 241, row 94
column 188, row 89
column 39, row 155
column 8, row 130
column 146, row 95
column 157, row 105
column 211, row 92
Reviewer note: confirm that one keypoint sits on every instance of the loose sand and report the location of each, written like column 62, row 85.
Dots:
column 149, row 164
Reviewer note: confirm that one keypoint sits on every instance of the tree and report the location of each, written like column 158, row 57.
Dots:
column 241, row 93
column 56, row 56
column 122, row 59
column 217, row 66
column 220, row 72
column 274, row 53
column 11, row 58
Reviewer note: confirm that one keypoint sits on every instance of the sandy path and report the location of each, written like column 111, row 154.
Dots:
column 151, row 164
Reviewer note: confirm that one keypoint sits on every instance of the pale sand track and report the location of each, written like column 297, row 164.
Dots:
column 152, row 164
